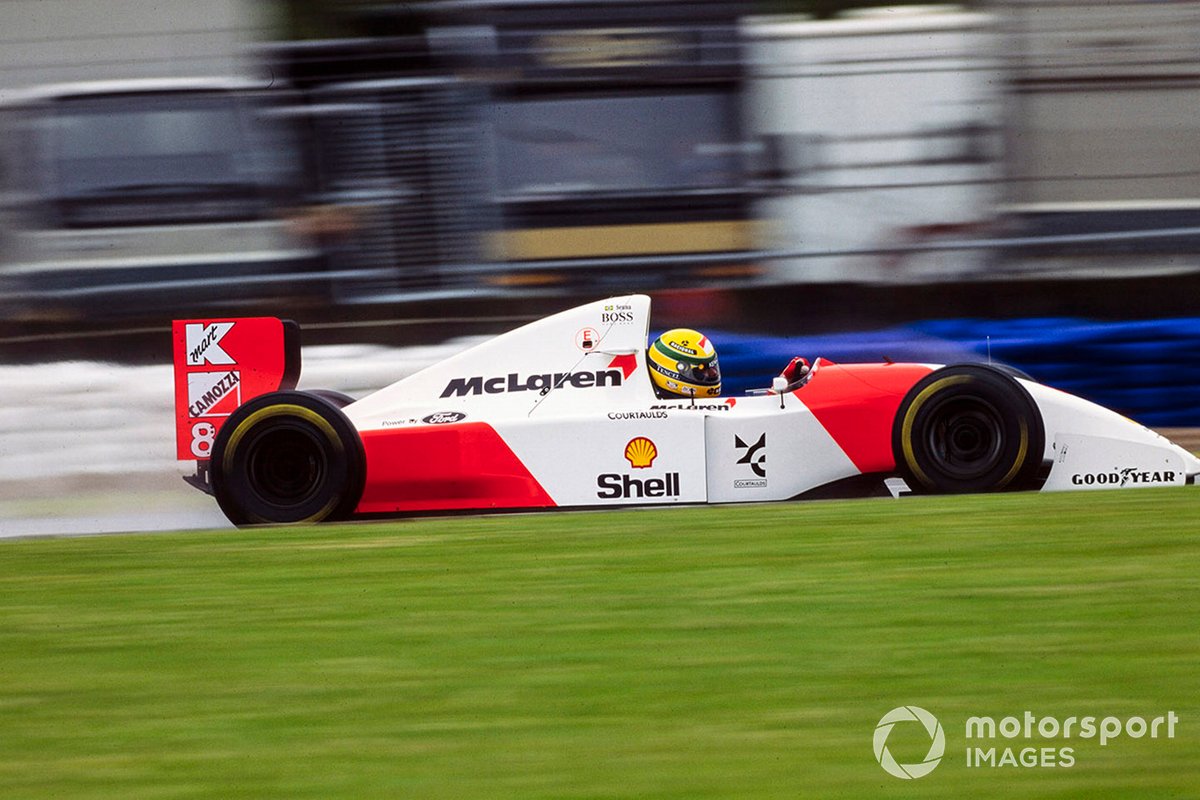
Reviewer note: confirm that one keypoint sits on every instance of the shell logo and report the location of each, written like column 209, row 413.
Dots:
column 640, row 453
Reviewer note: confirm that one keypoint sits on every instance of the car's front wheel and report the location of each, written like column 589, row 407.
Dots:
column 968, row 428
column 287, row 457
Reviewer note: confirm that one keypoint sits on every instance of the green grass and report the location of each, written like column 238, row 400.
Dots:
column 686, row 653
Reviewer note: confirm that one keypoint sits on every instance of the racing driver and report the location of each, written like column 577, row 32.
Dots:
column 683, row 363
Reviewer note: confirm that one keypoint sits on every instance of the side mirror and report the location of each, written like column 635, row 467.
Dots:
column 779, row 385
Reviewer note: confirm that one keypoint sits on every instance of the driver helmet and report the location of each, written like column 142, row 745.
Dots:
column 683, row 363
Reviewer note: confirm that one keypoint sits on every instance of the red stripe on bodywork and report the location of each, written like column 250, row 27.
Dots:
column 445, row 467
column 857, row 404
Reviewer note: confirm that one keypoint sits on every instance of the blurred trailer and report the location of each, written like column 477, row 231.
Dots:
column 890, row 124
column 528, row 146
column 1103, row 126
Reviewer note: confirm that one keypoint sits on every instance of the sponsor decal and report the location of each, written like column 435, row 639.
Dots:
column 637, row 414
column 640, row 453
column 1123, row 477
column 214, row 394
column 728, row 404
column 613, row 486
column 204, row 343
column 617, row 314
column 542, row 382
column 683, row 348
column 586, row 339
column 755, row 457
column 444, row 417
column 681, row 382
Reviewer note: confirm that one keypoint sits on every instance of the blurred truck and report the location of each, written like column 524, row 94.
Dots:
column 622, row 154
column 523, row 147
column 144, row 167
column 126, row 194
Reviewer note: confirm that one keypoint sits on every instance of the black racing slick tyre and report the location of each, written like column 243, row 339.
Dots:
column 287, row 457
column 338, row 399
column 968, row 428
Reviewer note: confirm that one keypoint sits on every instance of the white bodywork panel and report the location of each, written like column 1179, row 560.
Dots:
column 583, row 462
column 1094, row 462
column 1092, row 447
column 758, row 451
column 600, row 346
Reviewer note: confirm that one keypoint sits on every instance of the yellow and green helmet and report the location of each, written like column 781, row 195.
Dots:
column 683, row 362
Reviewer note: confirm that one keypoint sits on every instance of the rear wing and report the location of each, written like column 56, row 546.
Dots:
column 222, row 363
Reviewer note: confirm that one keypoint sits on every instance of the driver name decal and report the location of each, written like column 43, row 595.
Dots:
column 541, row 382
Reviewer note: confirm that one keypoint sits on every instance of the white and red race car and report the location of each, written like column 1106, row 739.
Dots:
column 562, row 413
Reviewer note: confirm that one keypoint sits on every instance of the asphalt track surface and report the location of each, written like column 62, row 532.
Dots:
column 87, row 447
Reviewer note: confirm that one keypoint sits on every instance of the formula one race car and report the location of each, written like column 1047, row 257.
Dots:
column 563, row 413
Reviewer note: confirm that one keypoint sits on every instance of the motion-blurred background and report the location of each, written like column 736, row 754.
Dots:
column 1016, row 180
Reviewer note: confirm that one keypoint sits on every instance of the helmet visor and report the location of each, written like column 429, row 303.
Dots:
column 707, row 374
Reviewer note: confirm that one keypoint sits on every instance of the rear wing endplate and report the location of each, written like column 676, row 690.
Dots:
column 222, row 363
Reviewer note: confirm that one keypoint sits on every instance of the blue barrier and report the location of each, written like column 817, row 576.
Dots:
column 1148, row 370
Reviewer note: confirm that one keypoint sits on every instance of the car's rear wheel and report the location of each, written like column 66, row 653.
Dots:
column 968, row 428
column 338, row 399
column 287, row 457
